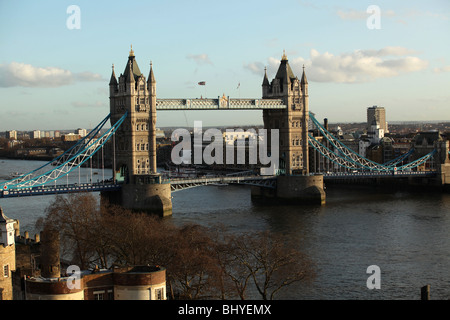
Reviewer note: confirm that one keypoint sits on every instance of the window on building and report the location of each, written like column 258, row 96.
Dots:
column 99, row 295
column 6, row 270
column 159, row 294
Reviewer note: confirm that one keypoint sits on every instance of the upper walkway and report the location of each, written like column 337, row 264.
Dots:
column 223, row 103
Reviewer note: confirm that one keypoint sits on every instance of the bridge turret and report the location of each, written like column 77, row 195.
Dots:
column 265, row 84
column 151, row 85
column 113, row 83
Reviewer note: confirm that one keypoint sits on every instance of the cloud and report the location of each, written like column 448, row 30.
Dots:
column 200, row 59
column 362, row 65
column 255, row 67
column 353, row 15
column 88, row 76
column 17, row 74
column 442, row 69
column 353, row 67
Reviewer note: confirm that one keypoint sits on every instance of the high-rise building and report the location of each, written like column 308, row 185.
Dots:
column 377, row 114
column 11, row 134
column 81, row 132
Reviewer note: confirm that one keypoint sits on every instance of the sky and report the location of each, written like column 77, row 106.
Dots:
column 55, row 63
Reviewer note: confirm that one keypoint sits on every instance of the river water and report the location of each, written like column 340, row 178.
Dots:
column 405, row 234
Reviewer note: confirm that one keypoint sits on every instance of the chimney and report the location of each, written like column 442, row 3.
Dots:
column 325, row 123
column 50, row 260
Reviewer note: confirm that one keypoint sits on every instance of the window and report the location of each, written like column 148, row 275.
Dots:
column 159, row 294
column 142, row 147
column 6, row 270
column 98, row 295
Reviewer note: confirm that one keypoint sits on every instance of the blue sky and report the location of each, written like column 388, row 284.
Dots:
column 53, row 77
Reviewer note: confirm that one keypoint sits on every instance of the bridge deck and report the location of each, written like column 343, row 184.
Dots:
column 380, row 174
column 58, row 189
column 262, row 181
column 181, row 184
column 219, row 104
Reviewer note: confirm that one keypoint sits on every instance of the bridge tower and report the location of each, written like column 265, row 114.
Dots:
column 134, row 147
column 294, row 184
column 292, row 122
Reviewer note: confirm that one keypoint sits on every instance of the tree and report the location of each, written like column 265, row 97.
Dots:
column 266, row 261
column 76, row 218
column 193, row 268
column 201, row 262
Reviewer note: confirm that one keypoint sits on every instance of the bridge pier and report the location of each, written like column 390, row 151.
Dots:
column 145, row 194
column 296, row 190
column 445, row 175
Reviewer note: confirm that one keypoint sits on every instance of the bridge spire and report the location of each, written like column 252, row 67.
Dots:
column 304, row 80
column 113, row 80
column 151, row 76
column 131, row 51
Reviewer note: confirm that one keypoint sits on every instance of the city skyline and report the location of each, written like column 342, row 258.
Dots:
column 54, row 77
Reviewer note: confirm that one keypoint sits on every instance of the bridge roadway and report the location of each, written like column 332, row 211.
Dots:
column 178, row 184
column 261, row 181
column 58, row 189
column 377, row 174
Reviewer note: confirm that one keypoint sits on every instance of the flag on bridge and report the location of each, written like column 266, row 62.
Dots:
column 202, row 83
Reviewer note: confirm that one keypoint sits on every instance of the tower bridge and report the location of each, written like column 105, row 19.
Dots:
column 306, row 159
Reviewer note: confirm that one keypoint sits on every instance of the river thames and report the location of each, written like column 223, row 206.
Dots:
column 405, row 234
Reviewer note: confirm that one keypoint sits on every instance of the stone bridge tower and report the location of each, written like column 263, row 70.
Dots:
column 134, row 148
column 292, row 122
column 294, row 184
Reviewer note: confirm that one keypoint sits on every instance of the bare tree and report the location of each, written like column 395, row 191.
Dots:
column 266, row 261
column 201, row 264
column 75, row 217
column 193, row 269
